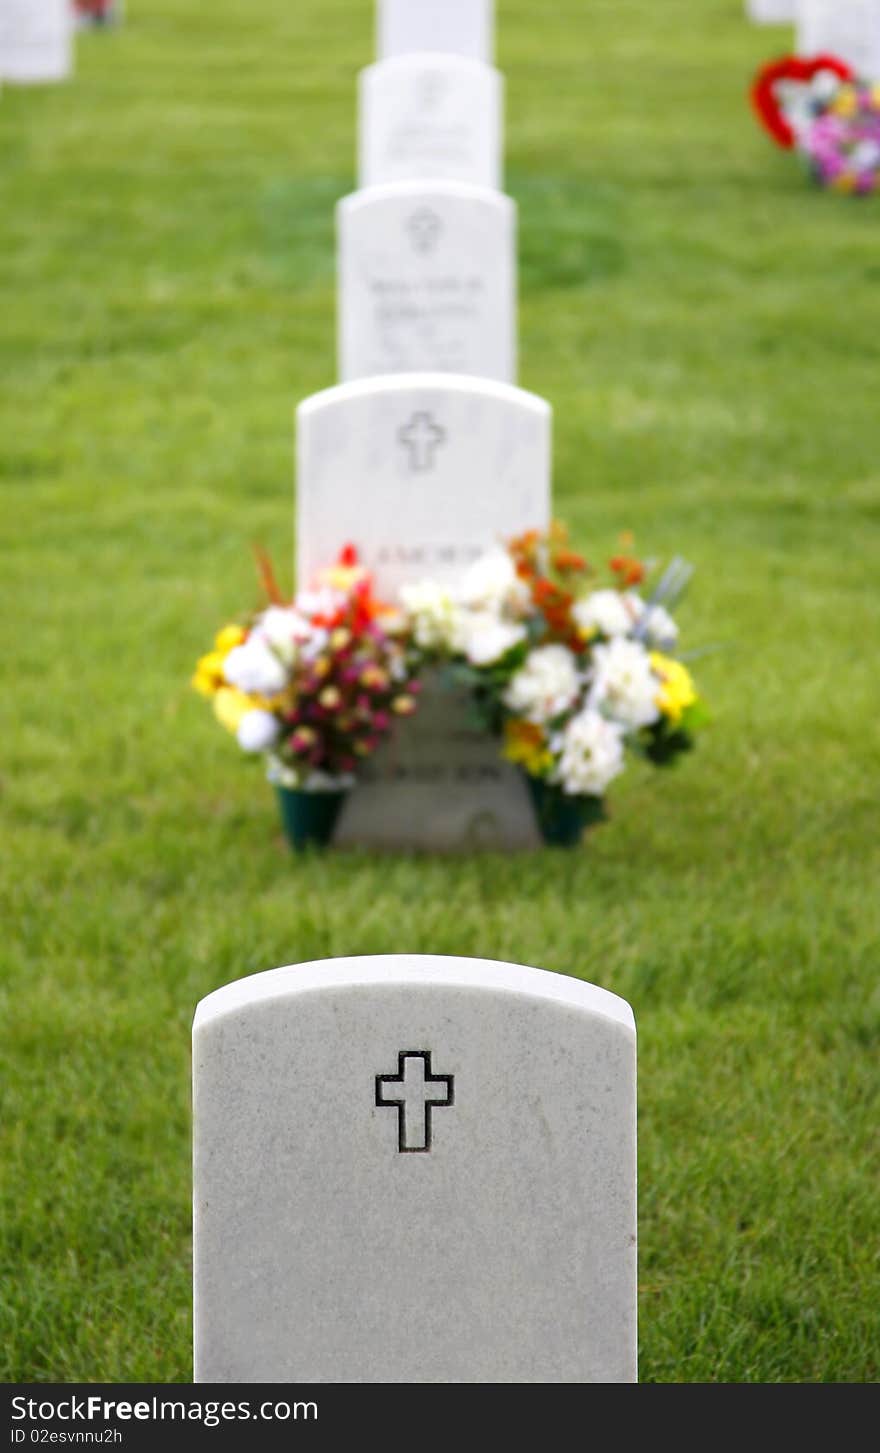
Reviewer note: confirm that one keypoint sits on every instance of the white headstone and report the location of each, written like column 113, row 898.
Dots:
column 427, row 281
column 414, row 1169
column 847, row 29
column 36, row 40
column 426, row 116
column 421, row 472
column 459, row 27
column 771, row 12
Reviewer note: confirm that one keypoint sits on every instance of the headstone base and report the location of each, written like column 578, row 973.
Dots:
column 439, row 785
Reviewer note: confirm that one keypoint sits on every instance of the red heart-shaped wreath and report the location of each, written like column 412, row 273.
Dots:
column 765, row 100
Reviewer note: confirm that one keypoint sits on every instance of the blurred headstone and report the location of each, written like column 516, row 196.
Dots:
column 429, row 116
column 457, row 27
column 36, row 41
column 427, row 275
column 771, row 12
column 848, row 29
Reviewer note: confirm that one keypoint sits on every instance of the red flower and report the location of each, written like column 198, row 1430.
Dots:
column 765, row 102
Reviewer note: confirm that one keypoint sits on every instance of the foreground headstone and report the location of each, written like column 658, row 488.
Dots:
column 460, row 27
column 423, row 473
column 36, row 40
column 427, row 281
column 425, row 116
column 848, row 29
column 414, row 1169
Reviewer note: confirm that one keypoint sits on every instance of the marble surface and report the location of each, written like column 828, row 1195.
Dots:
column 848, row 29
column 427, row 281
column 427, row 116
column 414, row 1169
column 36, row 40
column 460, row 27
column 421, row 472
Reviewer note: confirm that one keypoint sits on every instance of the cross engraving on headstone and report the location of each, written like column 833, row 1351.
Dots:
column 424, row 228
column 430, row 89
column 414, row 1091
column 422, row 437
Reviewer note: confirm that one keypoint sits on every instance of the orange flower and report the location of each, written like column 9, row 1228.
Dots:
column 568, row 562
column 630, row 570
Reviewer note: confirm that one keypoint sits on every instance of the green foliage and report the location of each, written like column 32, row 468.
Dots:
column 706, row 326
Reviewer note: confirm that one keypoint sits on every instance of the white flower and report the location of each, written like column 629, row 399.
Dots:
column 545, row 686
column 659, row 629
column 485, row 638
column 323, row 602
column 436, row 615
column 591, row 754
column 492, row 583
column 865, row 156
column 255, row 669
column 285, row 630
column 624, row 685
column 258, row 730
column 282, row 774
column 824, row 86
column 610, row 612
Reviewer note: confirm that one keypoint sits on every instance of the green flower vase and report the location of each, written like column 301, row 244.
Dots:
column 309, row 818
column 562, row 819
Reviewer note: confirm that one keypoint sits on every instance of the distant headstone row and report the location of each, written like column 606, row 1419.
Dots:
column 409, row 1168
column 427, row 454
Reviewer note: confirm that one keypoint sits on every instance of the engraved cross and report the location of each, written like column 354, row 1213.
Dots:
column 422, row 437
column 414, row 1091
column 424, row 228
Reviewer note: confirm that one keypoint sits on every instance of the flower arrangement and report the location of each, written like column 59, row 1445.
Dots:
column 568, row 666
column 314, row 684
column 820, row 108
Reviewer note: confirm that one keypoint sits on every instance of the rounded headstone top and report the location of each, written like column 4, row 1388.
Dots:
column 417, row 971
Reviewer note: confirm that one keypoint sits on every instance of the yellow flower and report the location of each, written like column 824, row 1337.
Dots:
column 342, row 577
column 229, row 637
column 374, row 678
column 230, row 705
column 846, row 182
column 209, row 673
column 403, row 705
column 526, row 744
column 677, row 691
column 846, row 102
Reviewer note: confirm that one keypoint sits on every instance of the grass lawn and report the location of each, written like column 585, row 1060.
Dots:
column 707, row 327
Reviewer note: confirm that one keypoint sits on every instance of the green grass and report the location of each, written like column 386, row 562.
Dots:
column 706, row 327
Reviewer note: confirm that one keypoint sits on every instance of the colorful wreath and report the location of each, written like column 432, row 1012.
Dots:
column 819, row 107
